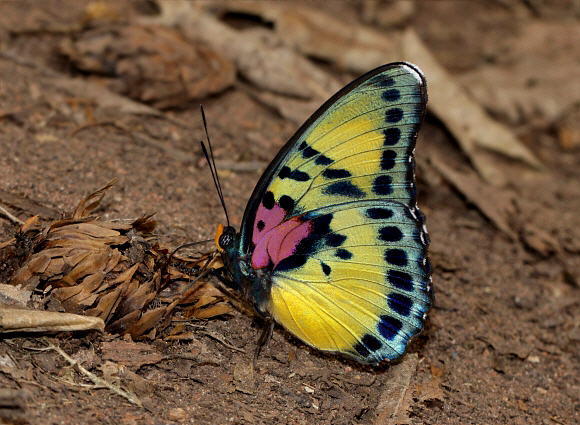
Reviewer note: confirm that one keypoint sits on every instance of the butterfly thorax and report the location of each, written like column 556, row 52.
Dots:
column 254, row 285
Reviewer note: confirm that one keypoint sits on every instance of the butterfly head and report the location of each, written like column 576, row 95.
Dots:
column 224, row 237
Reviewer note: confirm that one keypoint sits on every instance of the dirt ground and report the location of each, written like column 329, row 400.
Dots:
column 501, row 345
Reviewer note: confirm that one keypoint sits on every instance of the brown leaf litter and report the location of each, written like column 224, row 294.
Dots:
column 166, row 74
column 112, row 270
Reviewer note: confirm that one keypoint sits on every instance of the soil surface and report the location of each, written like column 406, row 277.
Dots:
column 501, row 345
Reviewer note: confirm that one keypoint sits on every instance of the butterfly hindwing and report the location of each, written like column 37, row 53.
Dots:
column 361, row 290
column 332, row 239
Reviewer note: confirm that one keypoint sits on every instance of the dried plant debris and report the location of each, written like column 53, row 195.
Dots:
column 168, row 73
column 291, row 85
column 20, row 320
column 112, row 270
column 397, row 397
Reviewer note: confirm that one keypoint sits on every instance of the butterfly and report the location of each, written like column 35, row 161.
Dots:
column 332, row 245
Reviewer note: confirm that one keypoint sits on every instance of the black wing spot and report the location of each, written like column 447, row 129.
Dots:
column 392, row 136
column 379, row 213
column 337, row 173
column 335, row 240
column 383, row 81
column 382, row 185
column 309, row 152
column 401, row 304
column 396, row 257
column 323, row 160
column 362, row 350
column 371, row 342
column 325, row 268
column 394, row 115
column 302, row 146
column 268, row 201
column 286, row 202
column 291, row 263
column 391, row 95
column 390, row 234
column 287, row 173
column 388, row 159
column 260, row 225
column 400, row 280
column 344, row 188
column 300, row 176
column 343, row 254
column 389, row 327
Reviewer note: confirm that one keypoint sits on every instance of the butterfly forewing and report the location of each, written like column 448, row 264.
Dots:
column 359, row 147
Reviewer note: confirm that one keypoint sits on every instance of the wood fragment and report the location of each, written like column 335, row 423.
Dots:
column 13, row 219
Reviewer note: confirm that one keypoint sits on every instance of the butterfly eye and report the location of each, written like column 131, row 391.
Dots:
column 227, row 237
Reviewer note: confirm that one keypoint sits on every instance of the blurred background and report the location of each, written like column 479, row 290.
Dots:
column 91, row 91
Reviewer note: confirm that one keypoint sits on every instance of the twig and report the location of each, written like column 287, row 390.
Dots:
column 241, row 166
column 82, row 127
column 168, row 150
column 95, row 379
column 29, row 206
column 224, row 342
column 10, row 217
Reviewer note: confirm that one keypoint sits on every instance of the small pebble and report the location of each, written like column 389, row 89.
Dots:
column 177, row 414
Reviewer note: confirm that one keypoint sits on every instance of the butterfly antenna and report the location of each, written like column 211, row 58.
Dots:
column 211, row 162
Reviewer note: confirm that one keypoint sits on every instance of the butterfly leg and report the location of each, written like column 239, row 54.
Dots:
column 264, row 338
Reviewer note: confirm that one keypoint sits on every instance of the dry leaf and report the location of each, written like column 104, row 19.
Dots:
column 167, row 73
column 259, row 58
column 496, row 204
column 19, row 320
column 395, row 400
column 519, row 87
column 465, row 119
column 359, row 49
column 319, row 35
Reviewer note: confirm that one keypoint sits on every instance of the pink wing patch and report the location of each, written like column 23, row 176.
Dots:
column 275, row 239
column 279, row 242
column 266, row 220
